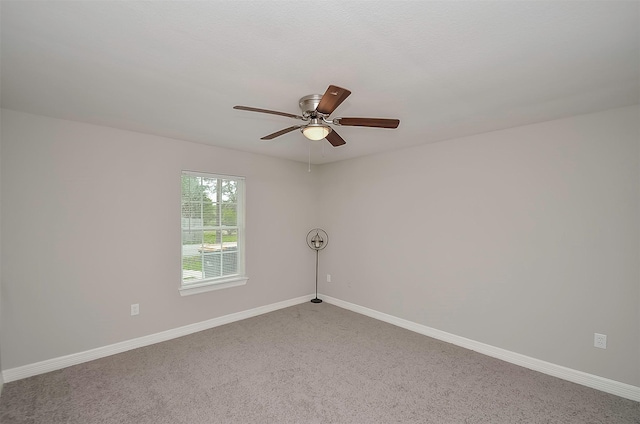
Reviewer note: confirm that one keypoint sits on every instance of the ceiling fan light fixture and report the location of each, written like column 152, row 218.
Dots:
column 316, row 131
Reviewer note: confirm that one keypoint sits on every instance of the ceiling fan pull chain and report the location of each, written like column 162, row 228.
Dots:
column 309, row 157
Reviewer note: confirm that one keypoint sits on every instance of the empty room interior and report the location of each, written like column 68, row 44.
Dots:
column 466, row 175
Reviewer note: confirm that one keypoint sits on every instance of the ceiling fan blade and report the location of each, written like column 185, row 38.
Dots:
column 281, row 132
column 335, row 139
column 272, row 112
column 331, row 99
column 367, row 122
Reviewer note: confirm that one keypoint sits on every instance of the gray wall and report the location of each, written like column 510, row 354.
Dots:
column 1, row 368
column 525, row 239
column 1, row 377
column 90, row 225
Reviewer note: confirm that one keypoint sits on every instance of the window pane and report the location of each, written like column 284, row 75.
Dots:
column 210, row 188
column 192, row 211
column 212, row 267
column 210, row 215
column 191, row 236
column 210, row 237
column 191, row 267
column 229, row 261
column 229, row 191
column 229, row 215
column 189, row 191
column 230, row 238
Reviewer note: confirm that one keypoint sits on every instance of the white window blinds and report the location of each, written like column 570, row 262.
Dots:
column 212, row 224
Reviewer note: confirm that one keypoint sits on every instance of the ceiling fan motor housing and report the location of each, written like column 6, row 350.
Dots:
column 308, row 104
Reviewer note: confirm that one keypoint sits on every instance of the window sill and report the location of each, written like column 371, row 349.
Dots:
column 207, row 286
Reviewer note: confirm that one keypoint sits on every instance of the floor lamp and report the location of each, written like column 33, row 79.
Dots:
column 317, row 239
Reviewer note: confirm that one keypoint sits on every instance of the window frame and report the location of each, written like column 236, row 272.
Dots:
column 216, row 283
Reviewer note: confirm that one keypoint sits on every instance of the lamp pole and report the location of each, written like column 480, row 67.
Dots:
column 316, row 300
column 317, row 239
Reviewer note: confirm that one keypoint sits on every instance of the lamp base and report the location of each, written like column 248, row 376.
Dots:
column 316, row 300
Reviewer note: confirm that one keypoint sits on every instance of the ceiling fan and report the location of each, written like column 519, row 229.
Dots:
column 316, row 109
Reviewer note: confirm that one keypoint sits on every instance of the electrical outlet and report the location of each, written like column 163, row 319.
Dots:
column 135, row 309
column 600, row 340
column 328, row 278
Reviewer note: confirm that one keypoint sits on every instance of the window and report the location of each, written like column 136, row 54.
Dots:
column 212, row 227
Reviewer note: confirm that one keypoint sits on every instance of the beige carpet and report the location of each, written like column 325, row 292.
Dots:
column 311, row 363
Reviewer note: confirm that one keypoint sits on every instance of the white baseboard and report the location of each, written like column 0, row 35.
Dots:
column 54, row 364
column 595, row 382
column 599, row 383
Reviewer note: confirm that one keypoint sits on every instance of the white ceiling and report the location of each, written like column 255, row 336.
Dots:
column 445, row 69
